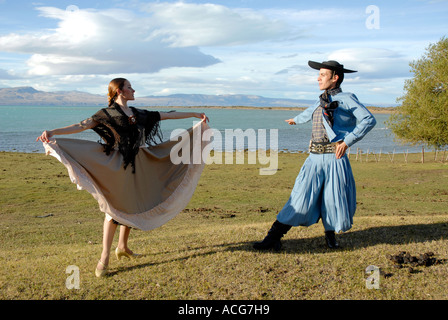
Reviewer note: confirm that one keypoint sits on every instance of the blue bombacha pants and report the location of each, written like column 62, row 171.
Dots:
column 325, row 188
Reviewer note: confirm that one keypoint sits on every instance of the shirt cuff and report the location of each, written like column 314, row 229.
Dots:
column 350, row 139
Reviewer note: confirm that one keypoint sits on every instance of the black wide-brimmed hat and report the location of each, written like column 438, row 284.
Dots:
column 331, row 64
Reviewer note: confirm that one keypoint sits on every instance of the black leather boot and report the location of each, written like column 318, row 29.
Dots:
column 330, row 238
column 272, row 240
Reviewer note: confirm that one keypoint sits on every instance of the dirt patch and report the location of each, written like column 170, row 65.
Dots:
column 404, row 259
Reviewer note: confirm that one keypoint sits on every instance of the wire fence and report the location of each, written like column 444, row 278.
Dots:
column 423, row 156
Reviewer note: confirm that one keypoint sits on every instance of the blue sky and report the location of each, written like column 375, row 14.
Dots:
column 254, row 47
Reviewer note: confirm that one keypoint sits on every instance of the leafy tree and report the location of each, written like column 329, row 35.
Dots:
column 422, row 117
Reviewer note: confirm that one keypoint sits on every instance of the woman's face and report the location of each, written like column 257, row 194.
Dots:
column 127, row 92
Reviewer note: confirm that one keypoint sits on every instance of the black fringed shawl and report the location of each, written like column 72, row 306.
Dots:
column 127, row 133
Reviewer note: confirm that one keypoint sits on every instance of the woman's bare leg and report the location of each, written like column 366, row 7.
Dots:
column 108, row 237
column 123, row 239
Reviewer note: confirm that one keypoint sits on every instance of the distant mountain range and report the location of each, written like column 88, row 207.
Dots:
column 21, row 96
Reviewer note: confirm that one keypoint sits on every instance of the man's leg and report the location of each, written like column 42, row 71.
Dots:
column 339, row 198
column 272, row 240
column 303, row 206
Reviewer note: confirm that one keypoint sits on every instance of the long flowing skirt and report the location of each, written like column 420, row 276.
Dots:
column 158, row 190
column 324, row 189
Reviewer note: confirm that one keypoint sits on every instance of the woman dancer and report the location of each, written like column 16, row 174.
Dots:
column 132, row 178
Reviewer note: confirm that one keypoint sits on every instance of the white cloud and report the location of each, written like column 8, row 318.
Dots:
column 99, row 42
column 182, row 25
column 373, row 63
column 162, row 35
column 4, row 74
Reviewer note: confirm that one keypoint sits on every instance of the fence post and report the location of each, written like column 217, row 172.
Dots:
column 423, row 154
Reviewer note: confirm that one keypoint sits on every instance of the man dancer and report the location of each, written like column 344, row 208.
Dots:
column 325, row 187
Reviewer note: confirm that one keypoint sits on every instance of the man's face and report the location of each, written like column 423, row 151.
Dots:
column 326, row 79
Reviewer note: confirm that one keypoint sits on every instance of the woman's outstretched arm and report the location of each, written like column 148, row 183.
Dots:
column 74, row 128
column 182, row 115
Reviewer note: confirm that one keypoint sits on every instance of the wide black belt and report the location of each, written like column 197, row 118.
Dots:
column 322, row 147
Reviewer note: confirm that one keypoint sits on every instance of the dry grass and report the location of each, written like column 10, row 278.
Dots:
column 206, row 252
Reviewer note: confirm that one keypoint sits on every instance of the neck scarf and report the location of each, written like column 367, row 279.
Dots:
column 329, row 107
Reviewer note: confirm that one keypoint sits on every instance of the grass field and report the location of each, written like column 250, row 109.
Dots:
column 206, row 252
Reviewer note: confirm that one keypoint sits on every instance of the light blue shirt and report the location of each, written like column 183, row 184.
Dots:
column 352, row 120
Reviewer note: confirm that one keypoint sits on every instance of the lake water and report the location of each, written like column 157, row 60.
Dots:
column 20, row 125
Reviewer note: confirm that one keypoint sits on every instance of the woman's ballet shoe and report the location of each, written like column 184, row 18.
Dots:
column 122, row 253
column 101, row 272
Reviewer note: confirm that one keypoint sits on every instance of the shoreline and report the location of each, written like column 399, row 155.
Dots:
column 374, row 110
